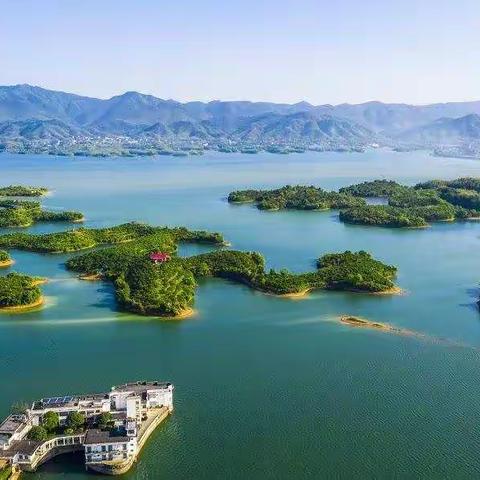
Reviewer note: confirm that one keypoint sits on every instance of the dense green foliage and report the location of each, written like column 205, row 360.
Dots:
column 75, row 420
column 18, row 290
column 22, row 191
column 355, row 271
column 374, row 189
column 169, row 288
column 432, row 201
column 19, row 213
column 37, row 433
column 51, row 421
column 296, row 197
column 83, row 238
column 105, row 421
column 145, row 288
column 4, row 256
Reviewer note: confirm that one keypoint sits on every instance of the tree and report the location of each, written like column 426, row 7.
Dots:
column 51, row 421
column 75, row 420
column 37, row 433
column 105, row 420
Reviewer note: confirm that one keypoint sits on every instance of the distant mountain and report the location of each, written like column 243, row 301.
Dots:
column 393, row 118
column 38, row 129
column 35, row 119
column 445, row 131
column 301, row 128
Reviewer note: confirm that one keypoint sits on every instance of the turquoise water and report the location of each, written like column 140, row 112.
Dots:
column 266, row 388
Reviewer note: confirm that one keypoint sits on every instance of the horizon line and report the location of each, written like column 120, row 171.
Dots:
column 231, row 101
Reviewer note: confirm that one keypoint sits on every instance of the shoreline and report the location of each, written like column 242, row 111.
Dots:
column 90, row 277
column 23, row 308
column 7, row 263
column 364, row 323
column 396, row 290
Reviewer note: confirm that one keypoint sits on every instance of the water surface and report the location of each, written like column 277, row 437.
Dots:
column 266, row 388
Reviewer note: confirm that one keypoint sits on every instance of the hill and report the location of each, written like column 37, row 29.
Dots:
column 34, row 119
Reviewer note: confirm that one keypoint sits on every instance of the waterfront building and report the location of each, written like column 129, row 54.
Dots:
column 135, row 410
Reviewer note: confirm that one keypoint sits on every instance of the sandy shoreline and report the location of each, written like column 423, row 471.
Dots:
column 7, row 263
column 93, row 277
column 23, row 308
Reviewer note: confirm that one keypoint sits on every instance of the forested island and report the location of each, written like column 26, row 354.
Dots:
column 22, row 191
column 408, row 206
column 20, row 292
column 5, row 259
column 168, row 288
column 296, row 198
column 23, row 213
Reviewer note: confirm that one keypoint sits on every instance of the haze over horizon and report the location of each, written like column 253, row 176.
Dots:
column 313, row 51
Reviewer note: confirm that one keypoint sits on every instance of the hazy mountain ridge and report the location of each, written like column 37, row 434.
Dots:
column 36, row 119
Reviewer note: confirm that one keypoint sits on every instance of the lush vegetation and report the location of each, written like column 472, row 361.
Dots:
column 18, row 290
column 38, row 433
column 407, row 206
column 169, row 288
column 374, row 189
column 19, row 213
column 295, row 197
column 22, row 191
column 75, row 422
column 82, row 238
column 51, row 421
column 4, row 256
column 355, row 271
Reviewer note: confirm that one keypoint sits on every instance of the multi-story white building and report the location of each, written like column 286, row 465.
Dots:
column 135, row 409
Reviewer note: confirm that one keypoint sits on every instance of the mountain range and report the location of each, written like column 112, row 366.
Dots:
column 39, row 120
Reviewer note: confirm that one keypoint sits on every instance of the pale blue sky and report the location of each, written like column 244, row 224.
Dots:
column 415, row 51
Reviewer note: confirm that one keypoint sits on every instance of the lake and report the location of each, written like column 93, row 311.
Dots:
column 266, row 387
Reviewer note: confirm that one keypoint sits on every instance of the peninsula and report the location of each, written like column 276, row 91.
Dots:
column 110, row 428
column 151, row 279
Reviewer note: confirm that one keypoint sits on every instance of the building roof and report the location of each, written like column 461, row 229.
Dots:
column 95, row 436
column 159, row 256
column 139, row 387
column 24, row 447
column 12, row 424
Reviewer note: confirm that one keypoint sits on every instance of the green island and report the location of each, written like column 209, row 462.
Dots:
column 20, row 292
column 167, row 288
column 295, row 197
column 5, row 259
column 21, row 213
column 22, row 191
column 407, row 206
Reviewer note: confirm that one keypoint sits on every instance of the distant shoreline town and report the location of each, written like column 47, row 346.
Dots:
column 34, row 120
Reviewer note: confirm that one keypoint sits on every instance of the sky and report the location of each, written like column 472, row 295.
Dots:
column 323, row 51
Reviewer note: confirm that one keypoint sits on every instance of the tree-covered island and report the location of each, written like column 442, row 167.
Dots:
column 295, row 197
column 20, row 292
column 23, row 213
column 407, row 206
column 168, row 288
column 22, row 191
column 5, row 259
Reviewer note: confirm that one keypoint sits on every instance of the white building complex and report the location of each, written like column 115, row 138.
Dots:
column 134, row 410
